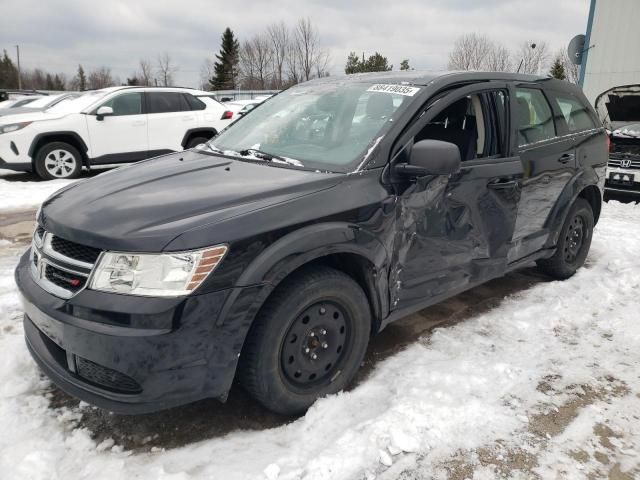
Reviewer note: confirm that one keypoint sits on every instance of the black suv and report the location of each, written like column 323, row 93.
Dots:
column 271, row 254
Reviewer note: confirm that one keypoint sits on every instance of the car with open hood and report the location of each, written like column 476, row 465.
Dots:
column 269, row 255
column 619, row 109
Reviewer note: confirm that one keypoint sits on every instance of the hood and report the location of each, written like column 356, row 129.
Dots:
column 144, row 206
column 30, row 116
column 619, row 106
column 18, row 110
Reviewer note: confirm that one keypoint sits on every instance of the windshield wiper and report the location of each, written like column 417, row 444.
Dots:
column 269, row 157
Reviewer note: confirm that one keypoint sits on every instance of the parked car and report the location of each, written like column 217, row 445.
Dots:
column 619, row 107
column 38, row 104
column 241, row 107
column 271, row 254
column 108, row 126
column 17, row 102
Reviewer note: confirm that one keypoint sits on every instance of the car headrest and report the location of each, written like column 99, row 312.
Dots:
column 380, row 105
column 524, row 114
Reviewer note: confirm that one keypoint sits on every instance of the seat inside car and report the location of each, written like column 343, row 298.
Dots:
column 456, row 124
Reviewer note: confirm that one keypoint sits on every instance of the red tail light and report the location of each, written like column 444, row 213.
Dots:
column 226, row 115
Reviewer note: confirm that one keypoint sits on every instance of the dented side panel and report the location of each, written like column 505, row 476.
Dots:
column 453, row 232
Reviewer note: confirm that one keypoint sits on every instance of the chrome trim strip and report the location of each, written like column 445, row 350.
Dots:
column 49, row 251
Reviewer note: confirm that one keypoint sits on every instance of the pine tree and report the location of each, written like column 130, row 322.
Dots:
column 8, row 72
column 377, row 63
column 49, row 82
column 226, row 67
column 404, row 65
column 557, row 69
column 81, row 78
column 58, row 83
column 354, row 65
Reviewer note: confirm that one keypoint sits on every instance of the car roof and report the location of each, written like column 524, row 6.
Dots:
column 422, row 78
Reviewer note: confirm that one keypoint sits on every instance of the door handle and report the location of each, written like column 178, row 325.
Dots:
column 186, row 119
column 567, row 157
column 503, row 184
column 138, row 123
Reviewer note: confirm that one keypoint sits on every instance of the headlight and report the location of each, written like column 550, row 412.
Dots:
column 12, row 127
column 155, row 275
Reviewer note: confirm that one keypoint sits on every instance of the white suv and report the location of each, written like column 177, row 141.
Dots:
column 108, row 126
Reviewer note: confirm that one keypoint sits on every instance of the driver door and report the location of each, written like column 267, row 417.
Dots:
column 456, row 231
column 122, row 136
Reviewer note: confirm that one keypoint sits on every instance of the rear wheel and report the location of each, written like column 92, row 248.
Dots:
column 307, row 341
column 58, row 160
column 573, row 244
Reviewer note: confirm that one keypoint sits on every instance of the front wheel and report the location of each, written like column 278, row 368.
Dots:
column 307, row 341
column 58, row 160
column 573, row 244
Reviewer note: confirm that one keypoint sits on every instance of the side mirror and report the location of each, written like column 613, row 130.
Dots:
column 103, row 111
column 431, row 157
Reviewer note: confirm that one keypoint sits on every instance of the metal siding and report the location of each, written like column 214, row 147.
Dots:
column 615, row 39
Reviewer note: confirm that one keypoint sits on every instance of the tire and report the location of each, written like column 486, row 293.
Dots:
column 195, row 141
column 317, row 312
column 573, row 244
column 58, row 160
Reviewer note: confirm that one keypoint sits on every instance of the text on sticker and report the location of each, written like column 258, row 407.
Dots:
column 399, row 89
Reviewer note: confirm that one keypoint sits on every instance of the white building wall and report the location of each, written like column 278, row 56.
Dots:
column 614, row 58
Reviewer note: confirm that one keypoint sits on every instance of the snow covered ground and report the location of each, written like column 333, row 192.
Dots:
column 21, row 190
column 544, row 385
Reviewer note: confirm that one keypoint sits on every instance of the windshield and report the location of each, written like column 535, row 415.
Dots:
column 78, row 104
column 326, row 126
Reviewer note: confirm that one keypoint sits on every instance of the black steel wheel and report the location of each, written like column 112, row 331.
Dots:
column 573, row 243
column 307, row 341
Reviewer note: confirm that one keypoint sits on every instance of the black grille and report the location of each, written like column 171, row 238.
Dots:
column 105, row 377
column 39, row 232
column 35, row 259
column 63, row 279
column 74, row 250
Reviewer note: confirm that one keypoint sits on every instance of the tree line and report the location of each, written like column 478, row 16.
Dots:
column 275, row 58
column 475, row 51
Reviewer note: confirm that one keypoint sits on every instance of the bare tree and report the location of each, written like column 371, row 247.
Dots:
column 207, row 71
column 263, row 55
column 100, row 78
column 307, row 48
column 146, row 72
column 166, row 69
column 499, row 59
column 532, row 57
column 279, row 36
column 292, row 63
column 248, row 64
column 470, row 52
column 570, row 69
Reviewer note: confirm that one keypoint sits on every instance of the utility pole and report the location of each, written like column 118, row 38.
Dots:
column 19, row 74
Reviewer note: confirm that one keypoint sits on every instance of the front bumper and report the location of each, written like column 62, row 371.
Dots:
column 107, row 349
column 630, row 188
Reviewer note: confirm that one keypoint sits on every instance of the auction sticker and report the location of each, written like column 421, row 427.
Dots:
column 399, row 89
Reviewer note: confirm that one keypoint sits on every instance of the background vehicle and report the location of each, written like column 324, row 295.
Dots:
column 38, row 104
column 334, row 209
column 619, row 109
column 240, row 107
column 109, row 126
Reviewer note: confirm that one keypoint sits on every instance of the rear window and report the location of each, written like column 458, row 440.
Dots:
column 575, row 114
column 165, row 102
column 194, row 103
column 534, row 117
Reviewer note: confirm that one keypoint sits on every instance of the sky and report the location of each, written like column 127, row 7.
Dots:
column 57, row 35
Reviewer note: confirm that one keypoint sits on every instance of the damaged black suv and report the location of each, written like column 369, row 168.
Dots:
column 270, row 255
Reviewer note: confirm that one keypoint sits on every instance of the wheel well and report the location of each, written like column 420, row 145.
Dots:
column 205, row 133
column 592, row 195
column 360, row 269
column 62, row 137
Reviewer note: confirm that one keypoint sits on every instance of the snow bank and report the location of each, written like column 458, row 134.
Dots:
column 18, row 194
column 462, row 387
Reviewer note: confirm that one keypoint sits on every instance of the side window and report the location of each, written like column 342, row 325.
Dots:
column 575, row 114
column 194, row 103
column 474, row 123
column 126, row 104
column 534, row 118
column 166, row 102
